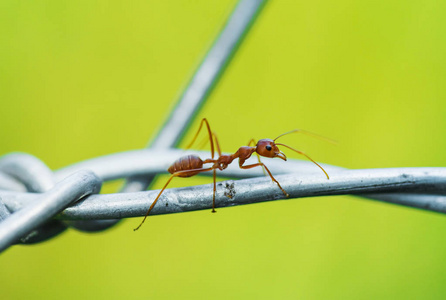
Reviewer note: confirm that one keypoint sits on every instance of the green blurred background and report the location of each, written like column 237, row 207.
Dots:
column 81, row 79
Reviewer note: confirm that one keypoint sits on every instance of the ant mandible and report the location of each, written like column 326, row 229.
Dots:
column 191, row 165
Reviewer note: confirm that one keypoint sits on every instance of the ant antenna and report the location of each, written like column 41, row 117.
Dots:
column 300, row 152
column 310, row 134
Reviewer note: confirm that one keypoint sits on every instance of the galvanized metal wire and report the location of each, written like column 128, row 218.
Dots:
column 17, row 177
column 423, row 188
column 37, row 204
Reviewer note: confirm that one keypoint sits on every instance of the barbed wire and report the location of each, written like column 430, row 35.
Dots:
column 423, row 188
column 37, row 204
column 17, row 175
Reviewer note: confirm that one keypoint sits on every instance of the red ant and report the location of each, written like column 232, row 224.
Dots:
column 191, row 165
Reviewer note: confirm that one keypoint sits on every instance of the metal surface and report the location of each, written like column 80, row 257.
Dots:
column 47, row 205
column 423, row 188
column 299, row 178
column 15, row 176
column 35, row 200
column 35, row 176
column 28, row 170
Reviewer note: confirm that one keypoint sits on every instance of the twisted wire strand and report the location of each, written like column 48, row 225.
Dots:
column 423, row 188
column 35, row 176
column 194, row 96
column 35, row 202
column 46, row 205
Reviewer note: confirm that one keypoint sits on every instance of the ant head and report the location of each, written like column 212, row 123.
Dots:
column 268, row 148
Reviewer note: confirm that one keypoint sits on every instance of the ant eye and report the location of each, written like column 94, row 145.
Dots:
column 268, row 147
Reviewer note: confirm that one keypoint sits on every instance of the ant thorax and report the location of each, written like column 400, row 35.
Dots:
column 224, row 160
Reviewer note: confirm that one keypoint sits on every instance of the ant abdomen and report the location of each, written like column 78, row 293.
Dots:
column 188, row 162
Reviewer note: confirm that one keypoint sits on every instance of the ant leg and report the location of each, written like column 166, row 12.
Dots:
column 270, row 175
column 156, row 199
column 260, row 162
column 215, row 181
column 204, row 120
column 252, row 141
column 176, row 174
column 217, row 144
column 203, row 143
column 213, row 195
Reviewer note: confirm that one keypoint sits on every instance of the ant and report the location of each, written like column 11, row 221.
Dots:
column 191, row 165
